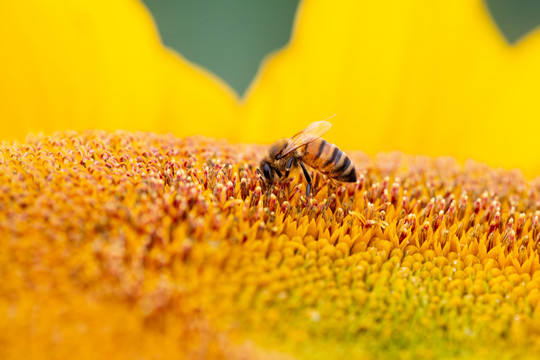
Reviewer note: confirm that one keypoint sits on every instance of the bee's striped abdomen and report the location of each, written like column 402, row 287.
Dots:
column 330, row 160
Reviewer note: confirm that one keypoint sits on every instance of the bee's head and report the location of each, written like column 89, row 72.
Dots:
column 266, row 171
column 270, row 165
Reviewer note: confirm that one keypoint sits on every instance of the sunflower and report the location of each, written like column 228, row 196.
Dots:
column 148, row 244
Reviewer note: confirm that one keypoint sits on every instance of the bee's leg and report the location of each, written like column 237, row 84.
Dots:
column 308, row 178
column 331, row 181
column 288, row 167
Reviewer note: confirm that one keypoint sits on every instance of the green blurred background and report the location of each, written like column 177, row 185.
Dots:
column 231, row 37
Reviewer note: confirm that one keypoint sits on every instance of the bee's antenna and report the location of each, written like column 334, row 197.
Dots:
column 331, row 116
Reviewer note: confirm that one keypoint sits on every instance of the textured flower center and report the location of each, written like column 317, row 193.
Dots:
column 176, row 243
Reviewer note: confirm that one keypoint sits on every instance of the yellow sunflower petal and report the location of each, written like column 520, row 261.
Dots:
column 420, row 76
column 99, row 64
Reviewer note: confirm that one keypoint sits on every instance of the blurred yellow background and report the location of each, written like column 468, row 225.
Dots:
column 422, row 77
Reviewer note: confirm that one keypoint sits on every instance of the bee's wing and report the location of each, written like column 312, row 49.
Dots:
column 313, row 132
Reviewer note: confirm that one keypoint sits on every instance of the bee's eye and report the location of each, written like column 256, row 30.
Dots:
column 267, row 171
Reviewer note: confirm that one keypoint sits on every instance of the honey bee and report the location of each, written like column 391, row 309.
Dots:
column 307, row 147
